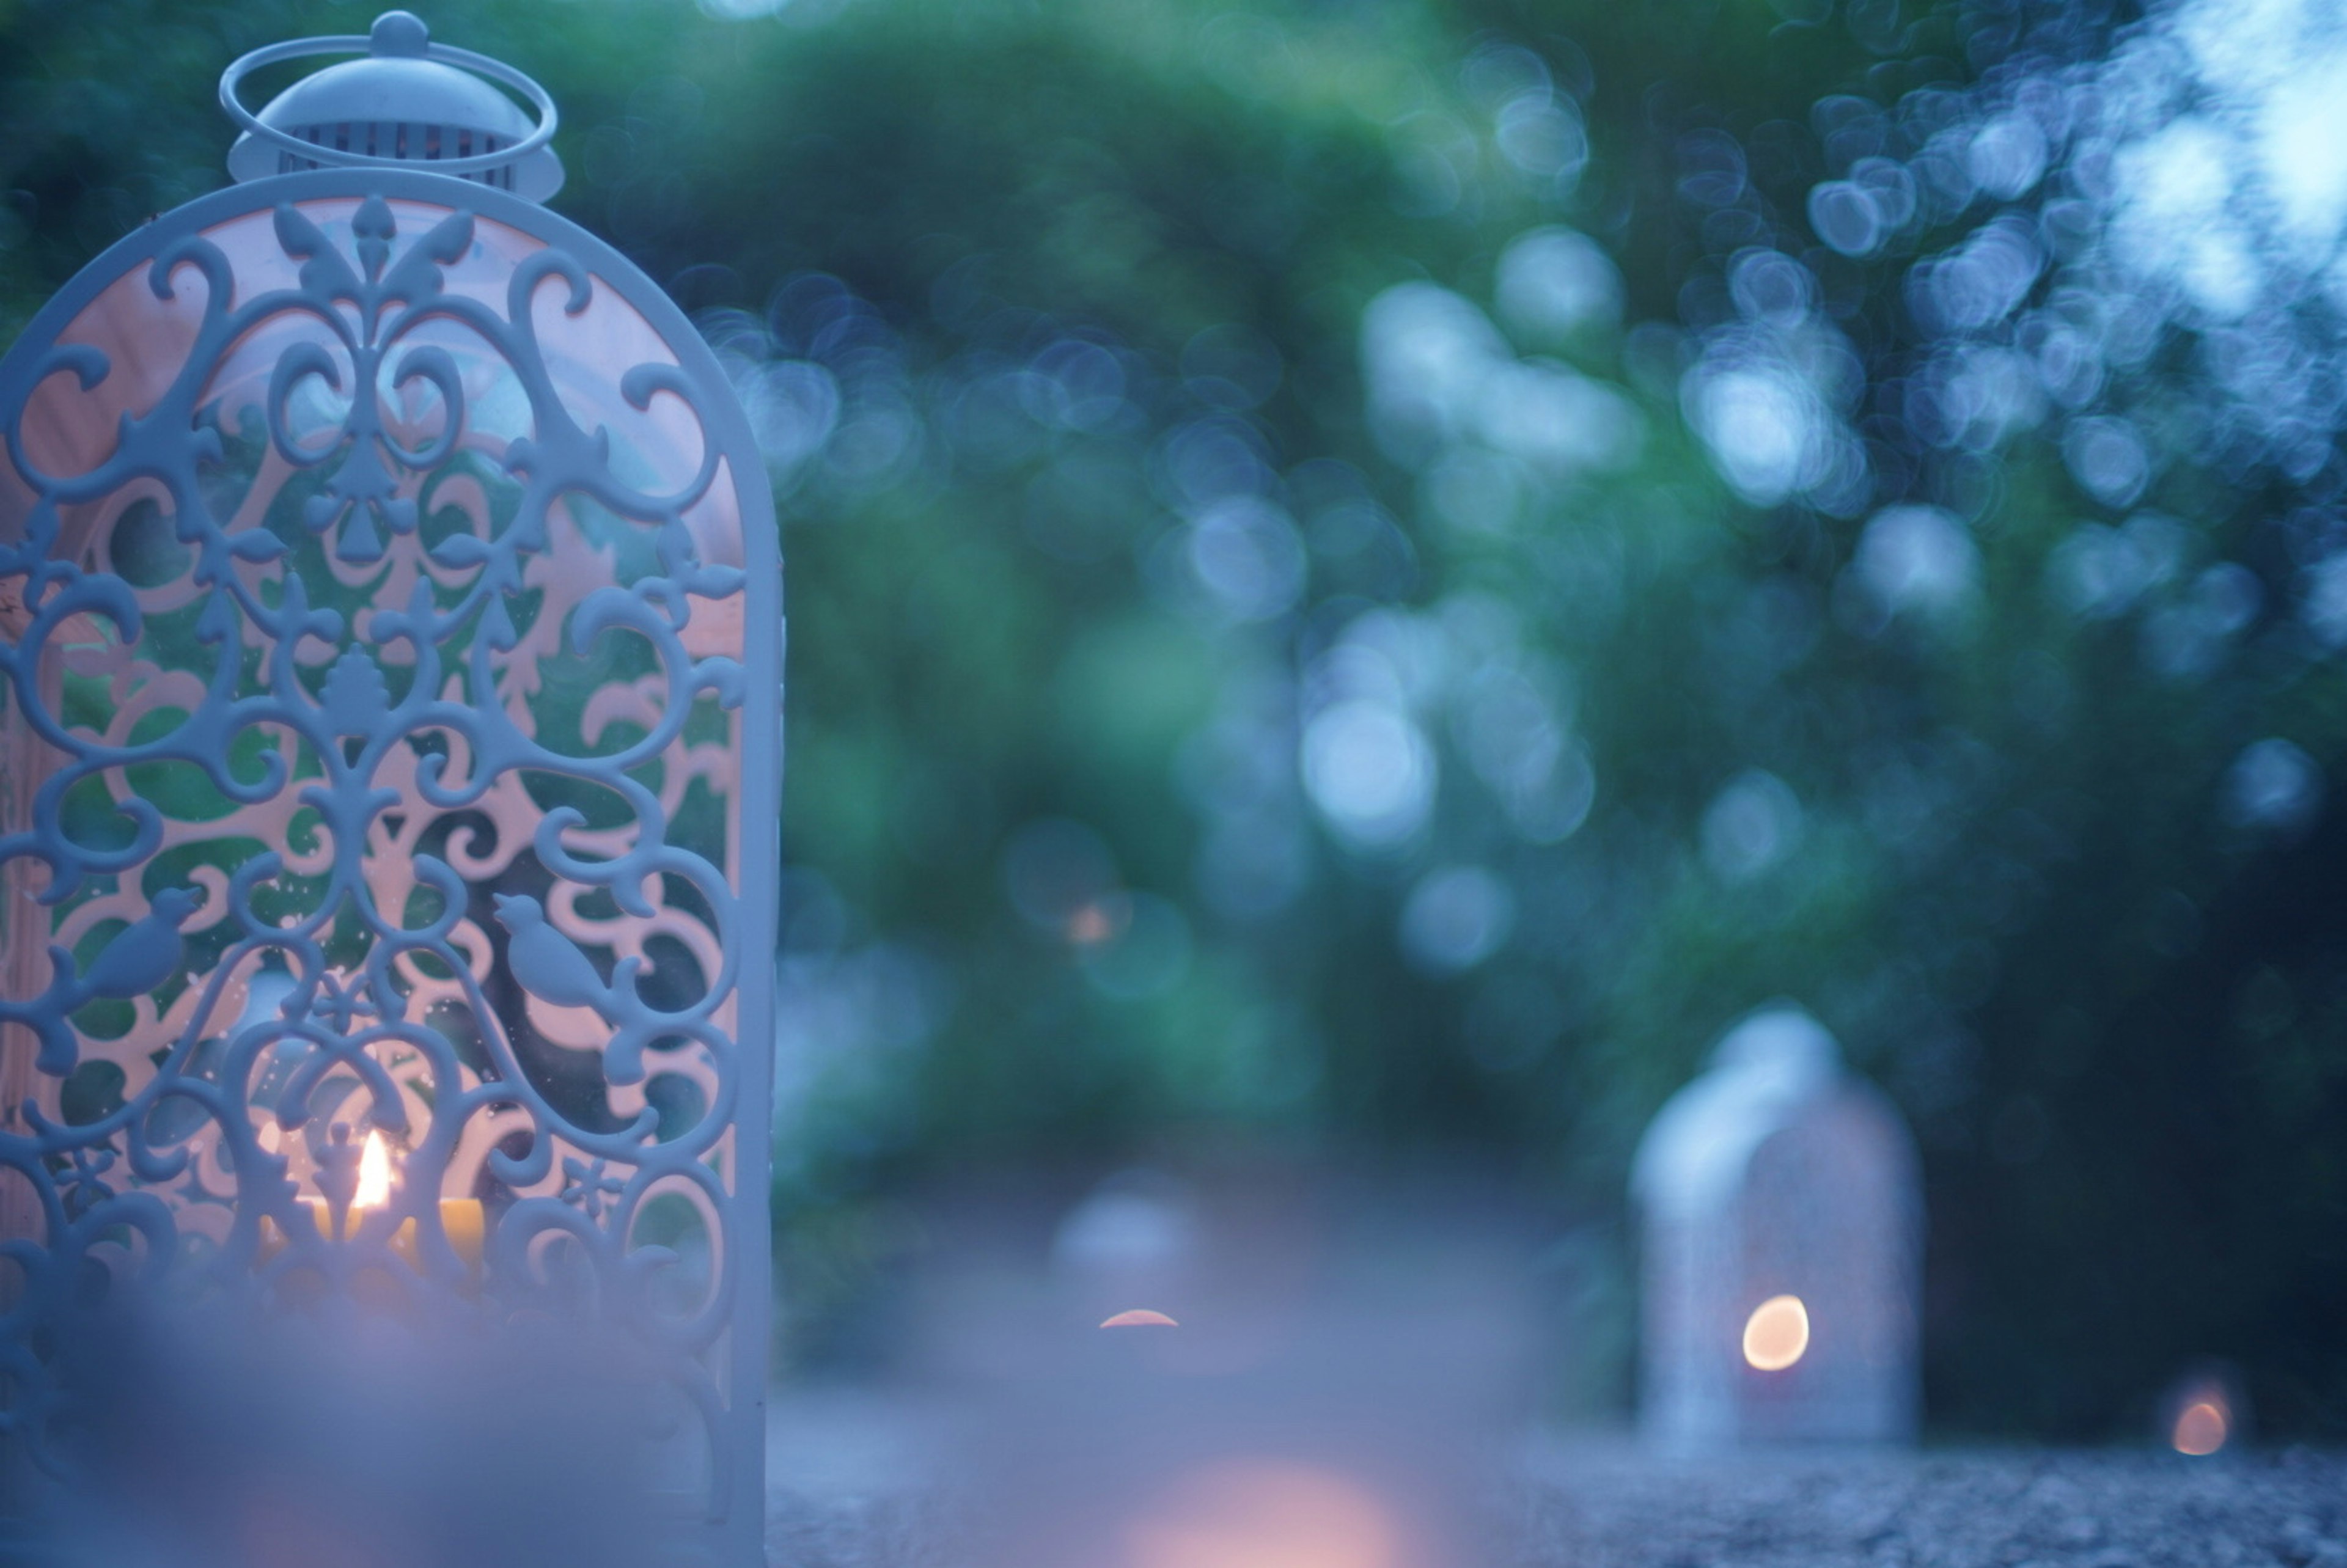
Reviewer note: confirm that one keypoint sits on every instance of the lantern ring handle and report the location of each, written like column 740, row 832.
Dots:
column 355, row 43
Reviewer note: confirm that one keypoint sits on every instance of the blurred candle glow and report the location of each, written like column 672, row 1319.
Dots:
column 1266, row 1513
column 1776, row 1335
column 1140, row 1317
column 2201, row 1426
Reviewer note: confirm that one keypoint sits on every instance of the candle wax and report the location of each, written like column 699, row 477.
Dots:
column 461, row 1220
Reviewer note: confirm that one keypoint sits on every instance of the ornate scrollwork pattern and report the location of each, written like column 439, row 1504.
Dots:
column 389, row 674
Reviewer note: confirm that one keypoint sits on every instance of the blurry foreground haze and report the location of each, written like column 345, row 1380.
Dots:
column 1364, row 579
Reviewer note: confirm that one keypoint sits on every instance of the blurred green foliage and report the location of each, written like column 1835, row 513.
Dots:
column 1989, row 848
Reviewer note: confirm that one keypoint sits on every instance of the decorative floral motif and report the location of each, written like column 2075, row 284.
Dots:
column 340, row 1002
column 86, row 1186
column 375, row 749
column 589, row 1186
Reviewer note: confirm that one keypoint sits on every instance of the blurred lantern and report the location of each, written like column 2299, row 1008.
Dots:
column 1782, row 1234
column 392, row 683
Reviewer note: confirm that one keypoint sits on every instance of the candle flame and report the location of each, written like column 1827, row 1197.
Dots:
column 2201, row 1426
column 374, row 1175
column 1776, row 1335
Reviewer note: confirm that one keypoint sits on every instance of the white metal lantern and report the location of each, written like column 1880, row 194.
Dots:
column 390, row 656
column 1782, row 1240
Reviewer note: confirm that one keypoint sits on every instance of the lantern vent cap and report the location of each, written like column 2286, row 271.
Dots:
column 409, row 103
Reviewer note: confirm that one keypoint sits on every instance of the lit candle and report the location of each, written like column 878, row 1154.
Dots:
column 461, row 1219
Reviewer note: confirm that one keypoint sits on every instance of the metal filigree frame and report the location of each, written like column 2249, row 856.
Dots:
column 383, row 653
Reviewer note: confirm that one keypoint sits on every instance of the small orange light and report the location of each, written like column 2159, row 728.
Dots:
column 1094, row 923
column 2201, row 1428
column 1141, row 1317
column 1776, row 1335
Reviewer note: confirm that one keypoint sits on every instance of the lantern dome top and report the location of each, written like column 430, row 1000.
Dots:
column 1761, row 1075
column 410, row 103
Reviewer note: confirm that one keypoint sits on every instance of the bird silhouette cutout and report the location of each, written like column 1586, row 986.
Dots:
column 553, row 969
column 145, row 954
column 549, row 965
column 138, row 958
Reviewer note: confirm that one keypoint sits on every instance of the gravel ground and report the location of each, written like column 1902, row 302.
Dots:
column 847, row 1493
column 1953, row 1509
